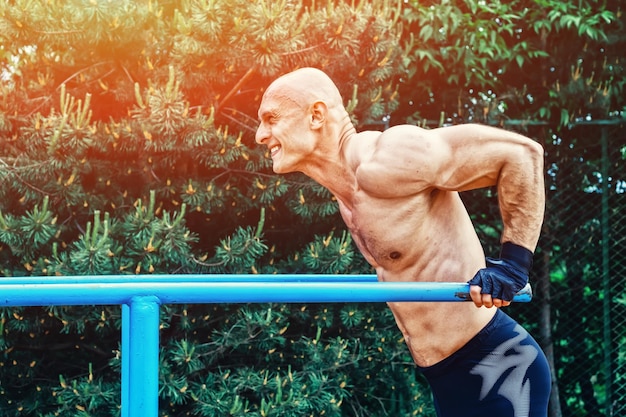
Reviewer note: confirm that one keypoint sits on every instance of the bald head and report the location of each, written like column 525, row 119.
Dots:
column 303, row 121
column 305, row 86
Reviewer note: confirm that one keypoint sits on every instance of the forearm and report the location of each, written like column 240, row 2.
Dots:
column 521, row 195
column 522, row 203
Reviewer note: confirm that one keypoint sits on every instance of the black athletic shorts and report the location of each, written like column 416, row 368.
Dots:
column 501, row 372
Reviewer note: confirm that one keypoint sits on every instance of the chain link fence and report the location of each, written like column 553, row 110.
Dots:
column 579, row 310
column 584, row 233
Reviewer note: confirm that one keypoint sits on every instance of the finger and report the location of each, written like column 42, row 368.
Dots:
column 476, row 296
column 505, row 303
column 497, row 302
column 487, row 300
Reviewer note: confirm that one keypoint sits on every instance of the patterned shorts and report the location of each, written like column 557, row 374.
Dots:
column 501, row 372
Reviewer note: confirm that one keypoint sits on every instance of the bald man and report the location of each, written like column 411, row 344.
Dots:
column 398, row 193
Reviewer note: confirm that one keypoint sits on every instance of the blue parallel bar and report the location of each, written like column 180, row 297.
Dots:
column 143, row 371
column 125, row 350
column 140, row 298
column 191, row 278
column 99, row 293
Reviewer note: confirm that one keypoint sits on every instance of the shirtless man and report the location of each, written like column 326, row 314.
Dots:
column 398, row 193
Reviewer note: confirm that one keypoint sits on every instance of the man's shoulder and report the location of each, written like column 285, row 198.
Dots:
column 390, row 147
column 404, row 131
column 394, row 134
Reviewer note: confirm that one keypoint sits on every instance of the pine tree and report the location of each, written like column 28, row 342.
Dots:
column 126, row 147
column 127, row 143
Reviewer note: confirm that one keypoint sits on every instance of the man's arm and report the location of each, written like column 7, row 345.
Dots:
column 485, row 156
column 516, row 164
column 461, row 158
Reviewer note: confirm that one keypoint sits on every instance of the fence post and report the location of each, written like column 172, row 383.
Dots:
column 606, row 271
column 143, row 356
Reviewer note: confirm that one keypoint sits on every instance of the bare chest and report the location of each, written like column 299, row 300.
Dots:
column 390, row 233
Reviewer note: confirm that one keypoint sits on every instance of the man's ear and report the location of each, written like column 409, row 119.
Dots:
column 319, row 110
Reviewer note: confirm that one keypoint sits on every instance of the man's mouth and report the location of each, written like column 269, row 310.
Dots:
column 274, row 150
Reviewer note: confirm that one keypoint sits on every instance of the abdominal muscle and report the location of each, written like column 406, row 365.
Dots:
column 435, row 331
column 438, row 245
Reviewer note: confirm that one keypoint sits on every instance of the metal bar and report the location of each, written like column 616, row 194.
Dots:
column 103, row 293
column 143, row 352
column 140, row 297
column 190, row 278
column 125, row 349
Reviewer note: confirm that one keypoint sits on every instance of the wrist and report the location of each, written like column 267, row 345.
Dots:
column 517, row 254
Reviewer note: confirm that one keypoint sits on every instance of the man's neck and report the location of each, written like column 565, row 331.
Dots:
column 332, row 170
column 346, row 132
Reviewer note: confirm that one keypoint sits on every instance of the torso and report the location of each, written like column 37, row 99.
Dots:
column 427, row 236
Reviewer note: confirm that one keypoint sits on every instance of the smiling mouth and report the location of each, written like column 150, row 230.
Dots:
column 274, row 150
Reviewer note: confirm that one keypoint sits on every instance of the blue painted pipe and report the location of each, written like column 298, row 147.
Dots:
column 125, row 351
column 103, row 293
column 141, row 295
column 143, row 357
column 191, row 278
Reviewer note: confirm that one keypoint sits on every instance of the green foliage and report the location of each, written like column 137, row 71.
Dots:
column 127, row 147
column 29, row 233
column 533, row 60
column 311, row 363
column 126, row 143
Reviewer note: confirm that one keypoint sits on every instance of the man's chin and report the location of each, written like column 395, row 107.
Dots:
column 277, row 170
column 281, row 168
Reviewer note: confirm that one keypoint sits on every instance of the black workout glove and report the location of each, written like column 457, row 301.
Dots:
column 504, row 277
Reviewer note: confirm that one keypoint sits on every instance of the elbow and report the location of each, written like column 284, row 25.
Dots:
column 527, row 153
column 534, row 162
column 526, row 161
column 535, row 154
column 536, row 148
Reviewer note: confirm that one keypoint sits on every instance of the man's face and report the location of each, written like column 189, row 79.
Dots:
column 285, row 130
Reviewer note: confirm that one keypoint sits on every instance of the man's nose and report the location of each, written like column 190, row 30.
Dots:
column 262, row 134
